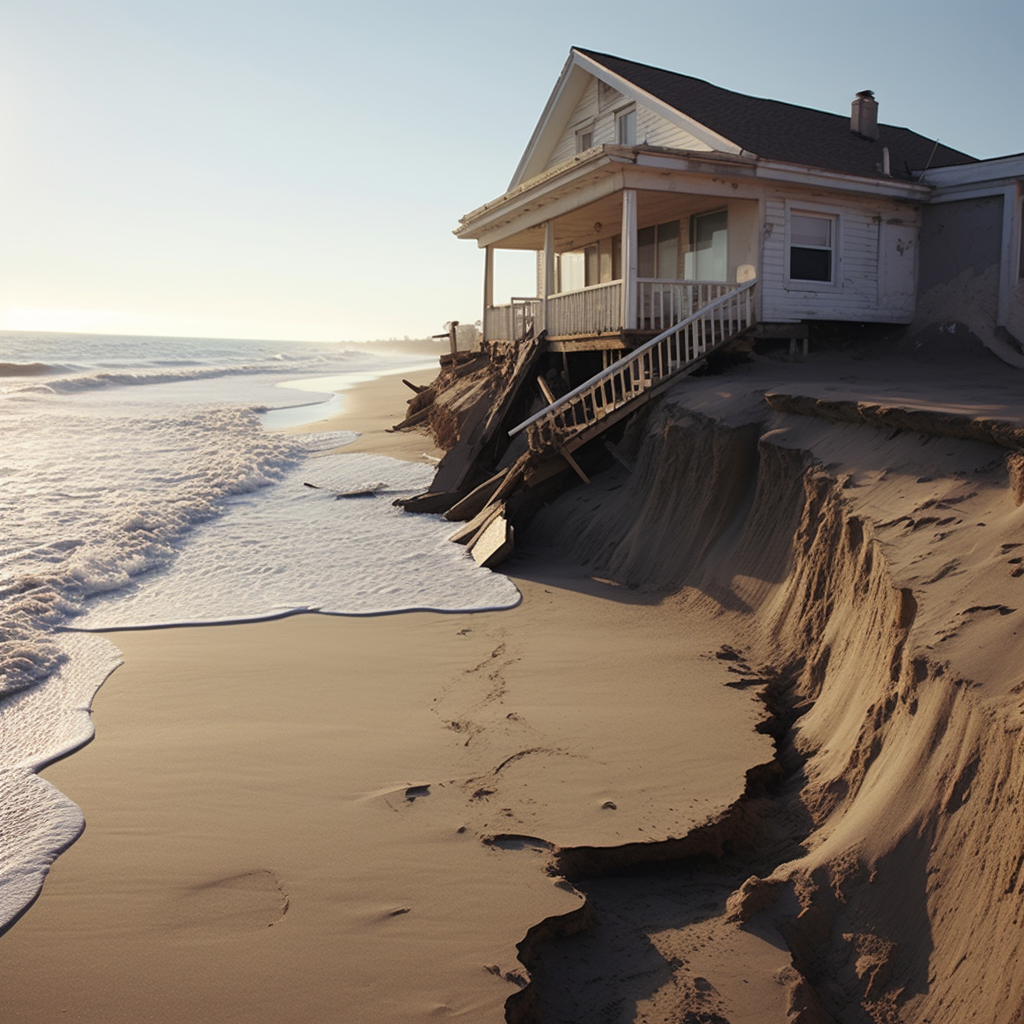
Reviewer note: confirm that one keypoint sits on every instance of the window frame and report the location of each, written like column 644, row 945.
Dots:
column 581, row 133
column 621, row 116
column 834, row 217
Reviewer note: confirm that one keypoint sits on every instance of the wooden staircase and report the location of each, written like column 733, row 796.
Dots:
column 578, row 417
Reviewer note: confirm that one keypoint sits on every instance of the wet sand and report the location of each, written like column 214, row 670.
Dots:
column 334, row 818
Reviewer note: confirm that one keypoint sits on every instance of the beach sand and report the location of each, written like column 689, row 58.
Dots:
column 348, row 819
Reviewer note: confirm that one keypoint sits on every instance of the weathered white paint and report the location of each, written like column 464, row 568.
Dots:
column 864, row 232
column 488, row 277
column 629, row 257
column 593, row 310
column 651, row 128
column 662, row 303
column 549, row 267
column 897, row 269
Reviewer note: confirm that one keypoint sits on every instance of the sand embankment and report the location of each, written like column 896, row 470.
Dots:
column 327, row 818
column 888, row 857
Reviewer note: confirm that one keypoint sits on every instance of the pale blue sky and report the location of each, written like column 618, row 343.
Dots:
column 294, row 168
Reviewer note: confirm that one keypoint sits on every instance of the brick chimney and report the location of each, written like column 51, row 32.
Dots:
column 864, row 115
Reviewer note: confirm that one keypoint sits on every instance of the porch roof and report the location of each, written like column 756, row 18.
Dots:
column 582, row 197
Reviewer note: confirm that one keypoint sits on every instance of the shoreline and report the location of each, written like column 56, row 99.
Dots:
column 287, row 815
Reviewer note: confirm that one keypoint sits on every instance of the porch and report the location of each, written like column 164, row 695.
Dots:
column 616, row 270
column 599, row 316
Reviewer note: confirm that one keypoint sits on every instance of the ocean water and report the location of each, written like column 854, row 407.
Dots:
column 147, row 482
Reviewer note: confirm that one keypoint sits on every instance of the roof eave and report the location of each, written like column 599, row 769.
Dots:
column 791, row 173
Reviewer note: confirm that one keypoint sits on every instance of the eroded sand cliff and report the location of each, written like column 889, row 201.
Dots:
column 873, row 579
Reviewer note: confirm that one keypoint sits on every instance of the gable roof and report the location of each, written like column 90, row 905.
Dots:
column 774, row 130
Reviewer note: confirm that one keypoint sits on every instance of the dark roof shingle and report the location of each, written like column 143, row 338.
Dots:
column 783, row 131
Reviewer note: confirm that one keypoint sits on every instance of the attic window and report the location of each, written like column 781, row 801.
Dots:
column 811, row 247
column 585, row 138
column 625, row 127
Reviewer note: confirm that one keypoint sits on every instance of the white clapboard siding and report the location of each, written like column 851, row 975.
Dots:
column 875, row 267
column 585, row 112
column 654, row 130
column 651, row 129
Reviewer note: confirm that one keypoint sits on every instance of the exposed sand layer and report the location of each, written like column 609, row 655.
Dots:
column 887, row 859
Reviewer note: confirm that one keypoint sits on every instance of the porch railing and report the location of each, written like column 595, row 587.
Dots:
column 591, row 310
column 661, row 302
column 566, row 422
column 519, row 320
column 597, row 309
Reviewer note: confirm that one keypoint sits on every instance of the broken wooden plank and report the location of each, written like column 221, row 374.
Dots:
column 477, row 498
column 465, row 533
column 574, row 464
column 479, row 429
column 494, row 543
column 413, row 420
column 429, row 501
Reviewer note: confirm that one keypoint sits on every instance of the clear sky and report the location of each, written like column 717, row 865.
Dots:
column 294, row 168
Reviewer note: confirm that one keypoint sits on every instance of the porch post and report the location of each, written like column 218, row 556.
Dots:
column 629, row 247
column 488, row 278
column 549, row 267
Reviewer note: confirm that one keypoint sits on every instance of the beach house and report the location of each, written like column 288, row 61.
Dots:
column 670, row 217
column 649, row 195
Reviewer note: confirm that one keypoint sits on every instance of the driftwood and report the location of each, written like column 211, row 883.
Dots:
column 418, row 388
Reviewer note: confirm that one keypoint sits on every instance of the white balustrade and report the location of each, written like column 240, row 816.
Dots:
column 688, row 340
column 661, row 303
column 514, row 322
column 593, row 310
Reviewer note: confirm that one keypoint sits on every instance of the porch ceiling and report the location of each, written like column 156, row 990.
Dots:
column 603, row 218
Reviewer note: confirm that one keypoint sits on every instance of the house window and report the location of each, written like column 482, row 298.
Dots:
column 585, row 138
column 812, row 243
column 708, row 258
column 658, row 251
column 625, row 127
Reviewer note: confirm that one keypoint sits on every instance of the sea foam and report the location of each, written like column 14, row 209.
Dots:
column 140, row 488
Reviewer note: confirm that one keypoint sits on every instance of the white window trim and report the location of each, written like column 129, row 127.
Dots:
column 624, row 112
column 580, row 132
column 815, row 210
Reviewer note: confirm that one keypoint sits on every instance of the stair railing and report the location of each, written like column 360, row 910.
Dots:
column 630, row 377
